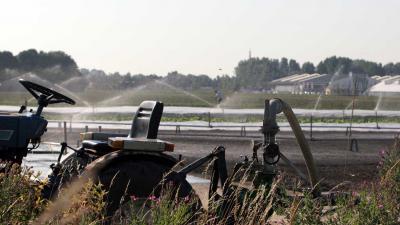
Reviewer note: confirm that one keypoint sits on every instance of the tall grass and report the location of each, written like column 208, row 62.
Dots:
column 20, row 197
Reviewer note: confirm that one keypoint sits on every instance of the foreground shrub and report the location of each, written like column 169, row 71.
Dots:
column 20, row 196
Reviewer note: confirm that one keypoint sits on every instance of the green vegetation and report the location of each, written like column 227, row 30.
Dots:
column 20, row 200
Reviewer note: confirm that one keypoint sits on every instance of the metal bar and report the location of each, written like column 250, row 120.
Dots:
column 196, row 164
column 344, row 126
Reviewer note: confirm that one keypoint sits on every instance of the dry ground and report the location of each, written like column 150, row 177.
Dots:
column 335, row 162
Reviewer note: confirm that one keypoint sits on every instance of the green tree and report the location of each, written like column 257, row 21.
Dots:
column 294, row 67
column 284, row 66
column 308, row 67
column 8, row 61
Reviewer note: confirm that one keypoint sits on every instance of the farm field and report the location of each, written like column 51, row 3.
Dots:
column 172, row 96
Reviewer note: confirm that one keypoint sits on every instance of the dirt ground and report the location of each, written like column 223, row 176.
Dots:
column 336, row 164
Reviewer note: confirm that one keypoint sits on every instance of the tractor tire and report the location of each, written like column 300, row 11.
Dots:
column 71, row 168
column 139, row 177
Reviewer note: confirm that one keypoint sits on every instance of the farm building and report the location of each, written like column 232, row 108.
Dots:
column 349, row 84
column 385, row 86
column 301, row 83
column 338, row 84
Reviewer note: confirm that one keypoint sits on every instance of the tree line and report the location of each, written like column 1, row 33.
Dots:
column 253, row 73
column 54, row 66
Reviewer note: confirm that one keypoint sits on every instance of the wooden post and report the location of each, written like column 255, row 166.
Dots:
column 99, row 129
column 65, row 131
column 65, row 135
column 311, row 124
column 209, row 119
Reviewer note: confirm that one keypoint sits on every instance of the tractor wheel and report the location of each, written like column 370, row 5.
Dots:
column 70, row 168
column 139, row 177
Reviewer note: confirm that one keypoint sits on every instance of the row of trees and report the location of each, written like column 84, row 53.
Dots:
column 54, row 66
column 252, row 73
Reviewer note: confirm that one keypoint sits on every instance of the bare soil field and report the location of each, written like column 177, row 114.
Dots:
column 331, row 153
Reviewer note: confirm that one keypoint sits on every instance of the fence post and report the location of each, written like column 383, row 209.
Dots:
column 65, row 135
column 65, row 131
column 178, row 129
column 243, row 131
column 86, row 129
column 354, row 145
column 209, row 119
column 376, row 119
column 311, row 126
column 99, row 129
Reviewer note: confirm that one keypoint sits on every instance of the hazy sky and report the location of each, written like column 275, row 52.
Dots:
column 158, row 36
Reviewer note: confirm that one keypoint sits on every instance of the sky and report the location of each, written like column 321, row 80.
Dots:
column 200, row 37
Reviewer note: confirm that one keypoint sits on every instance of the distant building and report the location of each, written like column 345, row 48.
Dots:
column 301, row 84
column 385, row 86
column 349, row 84
column 338, row 84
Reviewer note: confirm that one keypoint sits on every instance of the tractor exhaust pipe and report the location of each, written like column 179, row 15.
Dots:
column 270, row 128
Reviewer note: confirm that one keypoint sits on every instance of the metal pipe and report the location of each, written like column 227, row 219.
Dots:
column 301, row 140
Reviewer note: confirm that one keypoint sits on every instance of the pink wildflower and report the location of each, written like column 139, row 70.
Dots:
column 134, row 198
column 152, row 198
column 186, row 199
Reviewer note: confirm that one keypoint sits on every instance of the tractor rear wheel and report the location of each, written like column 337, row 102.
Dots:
column 139, row 177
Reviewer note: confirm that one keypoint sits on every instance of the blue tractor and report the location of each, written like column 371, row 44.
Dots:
column 21, row 132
